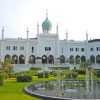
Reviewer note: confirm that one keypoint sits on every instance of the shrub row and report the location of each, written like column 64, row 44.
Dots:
column 80, row 71
column 71, row 75
column 1, row 80
column 43, row 74
column 24, row 78
column 98, row 73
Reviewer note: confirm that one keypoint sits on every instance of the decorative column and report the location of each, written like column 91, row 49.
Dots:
column 66, row 35
column 2, row 42
column 27, row 51
column 67, row 45
column 57, row 28
column 37, row 28
column 27, row 32
column 87, row 56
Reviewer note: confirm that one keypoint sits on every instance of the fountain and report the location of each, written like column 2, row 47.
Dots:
column 66, row 89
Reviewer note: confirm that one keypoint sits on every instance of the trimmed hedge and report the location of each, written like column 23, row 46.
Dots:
column 43, row 74
column 24, row 78
column 98, row 73
column 71, row 75
column 80, row 71
column 1, row 80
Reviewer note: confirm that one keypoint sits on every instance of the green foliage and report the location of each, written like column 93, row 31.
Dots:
column 71, row 75
column 98, row 73
column 28, row 73
column 24, row 78
column 80, row 70
column 1, row 80
column 54, row 73
column 35, row 68
column 60, row 68
column 4, row 75
column 7, row 67
column 43, row 74
column 6, row 64
column 81, row 76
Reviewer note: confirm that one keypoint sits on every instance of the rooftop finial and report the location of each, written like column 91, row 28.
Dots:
column 3, row 32
column 57, row 28
column 46, row 13
column 66, row 30
column 37, row 27
column 86, row 32
column 27, row 32
column 3, row 28
column 66, row 35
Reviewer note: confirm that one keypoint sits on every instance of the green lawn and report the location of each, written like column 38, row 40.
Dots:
column 13, row 90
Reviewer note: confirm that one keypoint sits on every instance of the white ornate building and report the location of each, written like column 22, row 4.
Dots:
column 47, row 47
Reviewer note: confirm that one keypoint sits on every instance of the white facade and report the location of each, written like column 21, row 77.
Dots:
column 47, row 47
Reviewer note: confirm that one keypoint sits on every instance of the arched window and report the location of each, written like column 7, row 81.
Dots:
column 92, row 59
column 77, row 59
column 62, row 59
column 71, row 59
column 83, row 59
column 21, row 59
column 14, row 59
column 32, row 59
column 98, row 59
column 44, row 59
column 7, row 58
column 51, row 59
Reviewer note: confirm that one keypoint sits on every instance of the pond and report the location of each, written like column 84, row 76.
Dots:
column 75, row 89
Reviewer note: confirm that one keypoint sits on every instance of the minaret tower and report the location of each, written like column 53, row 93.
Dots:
column 57, row 29
column 66, row 35
column 86, row 36
column 37, row 28
column 3, row 33
column 46, row 13
column 27, row 48
column 27, row 32
column 87, row 49
column 2, row 44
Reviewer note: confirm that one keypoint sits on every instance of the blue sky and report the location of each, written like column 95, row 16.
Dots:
column 75, row 15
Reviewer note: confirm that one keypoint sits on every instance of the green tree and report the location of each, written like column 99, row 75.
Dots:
column 6, row 66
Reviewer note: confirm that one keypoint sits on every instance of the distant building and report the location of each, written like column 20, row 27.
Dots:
column 47, row 47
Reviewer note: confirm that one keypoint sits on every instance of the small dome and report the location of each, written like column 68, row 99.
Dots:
column 46, row 25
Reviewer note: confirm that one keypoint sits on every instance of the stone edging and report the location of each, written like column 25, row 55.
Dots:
column 44, row 97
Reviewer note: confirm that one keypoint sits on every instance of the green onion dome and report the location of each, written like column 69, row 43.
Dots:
column 46, row 25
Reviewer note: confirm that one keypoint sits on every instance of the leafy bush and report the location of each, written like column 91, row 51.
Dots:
column 71, row 75
column 35, row 68
column 26, row 73
column 43, row 74
column 24, row 78
column 4, row 75
column 98, row 73
column 60, row 68
column 1, row 80
column 80, row 71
